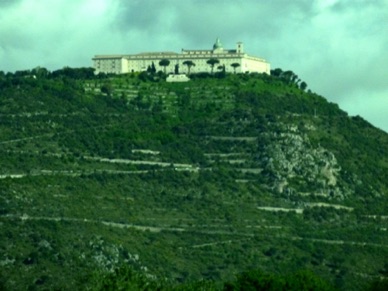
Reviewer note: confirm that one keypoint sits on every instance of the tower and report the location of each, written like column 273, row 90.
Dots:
column 240, row 48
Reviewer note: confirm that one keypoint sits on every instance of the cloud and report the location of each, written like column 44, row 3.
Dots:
column 371, row 105
column 337, row 46
column 52, row 33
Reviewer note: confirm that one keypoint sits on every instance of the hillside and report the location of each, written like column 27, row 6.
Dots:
column 185, row 181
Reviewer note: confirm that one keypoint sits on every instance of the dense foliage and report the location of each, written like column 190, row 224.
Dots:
column 108, row 181
column 127, row 279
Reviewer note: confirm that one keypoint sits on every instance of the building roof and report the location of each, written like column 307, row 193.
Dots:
column 217, row 44
column 156, row 53
column 189, row 54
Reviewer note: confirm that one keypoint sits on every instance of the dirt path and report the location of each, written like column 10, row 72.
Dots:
column 69, row 173
column 155, row 229
column 177, row 166
column 26, row 138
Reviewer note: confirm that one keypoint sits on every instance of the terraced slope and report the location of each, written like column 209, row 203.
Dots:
column 203, row 179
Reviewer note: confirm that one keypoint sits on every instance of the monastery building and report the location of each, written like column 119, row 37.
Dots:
column 230, row 60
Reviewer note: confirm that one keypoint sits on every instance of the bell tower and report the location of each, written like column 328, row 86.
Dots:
column 240, row 48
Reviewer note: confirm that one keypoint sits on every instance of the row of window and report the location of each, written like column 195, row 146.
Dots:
column 200, row 65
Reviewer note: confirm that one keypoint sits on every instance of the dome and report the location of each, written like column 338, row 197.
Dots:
column 218, row 44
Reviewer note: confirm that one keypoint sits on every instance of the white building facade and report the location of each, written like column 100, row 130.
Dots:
column 230, row 60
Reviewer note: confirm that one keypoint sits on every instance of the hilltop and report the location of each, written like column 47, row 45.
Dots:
column 185, row 181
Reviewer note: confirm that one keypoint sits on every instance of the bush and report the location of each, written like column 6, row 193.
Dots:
column 258, row 280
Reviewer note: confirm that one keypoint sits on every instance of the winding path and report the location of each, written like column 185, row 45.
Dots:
column 155, row 229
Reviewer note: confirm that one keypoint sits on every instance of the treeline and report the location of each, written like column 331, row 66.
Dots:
column 289, row 77
column 87, row 73
column 127, row 279
column 39, row 72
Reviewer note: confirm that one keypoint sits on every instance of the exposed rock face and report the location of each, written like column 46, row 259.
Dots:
column 294, row 165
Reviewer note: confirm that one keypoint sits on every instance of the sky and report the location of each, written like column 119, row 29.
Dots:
column 338, row 47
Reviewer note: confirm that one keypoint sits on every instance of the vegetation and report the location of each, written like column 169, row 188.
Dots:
column 212, row 62
column 235, row 66
column 226, row 182
column 128, row 279
column 189, row 64
column 164, row 63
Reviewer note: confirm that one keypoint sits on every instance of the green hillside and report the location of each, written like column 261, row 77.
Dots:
column 182, row 182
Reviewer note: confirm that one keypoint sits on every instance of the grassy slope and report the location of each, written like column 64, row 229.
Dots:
column 86, row 198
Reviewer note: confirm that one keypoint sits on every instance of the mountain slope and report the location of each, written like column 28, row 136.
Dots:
column 184, row 181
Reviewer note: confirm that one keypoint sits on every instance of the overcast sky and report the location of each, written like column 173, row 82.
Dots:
column 338, row 47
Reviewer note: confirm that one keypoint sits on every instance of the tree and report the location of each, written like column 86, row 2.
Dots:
column 189, row 64
column 235, row 66
column 212, row 62
column 153, row 69
column 288, row 77
column 303, row 85
column 41, row 72
column 276, row 72
column 126, row 278
column 221, row 73
column 164, row 63
column 258, row 280
column 74, row 73
column 107, row 89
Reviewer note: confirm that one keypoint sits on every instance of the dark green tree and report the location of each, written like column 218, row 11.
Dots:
column 74, row 73
column 126, row 278
column 212, row 62
column 277, row 72
column 235, row 66
column 164, row 63
column 288, row 77
column 258, row 280
column 153, row 69
column 40, row 72
column 378, row 285
column 303, row 86
column 107, row 89
column 189, row 64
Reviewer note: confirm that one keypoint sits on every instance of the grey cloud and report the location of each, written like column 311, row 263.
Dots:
column 198, row 21
column 346, row 5
column 142, row 15
column 8, row 3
